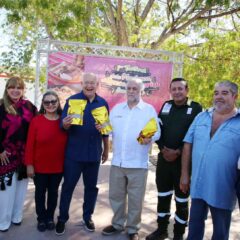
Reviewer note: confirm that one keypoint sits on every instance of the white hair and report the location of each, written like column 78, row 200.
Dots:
column 90, row 76
column 138, row 81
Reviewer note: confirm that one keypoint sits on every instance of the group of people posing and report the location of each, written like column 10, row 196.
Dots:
column 198, row 156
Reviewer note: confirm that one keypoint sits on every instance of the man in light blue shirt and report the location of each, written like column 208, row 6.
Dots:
column 212, row 143
column 128, row 172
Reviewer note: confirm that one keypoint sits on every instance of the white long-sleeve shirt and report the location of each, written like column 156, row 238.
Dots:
column 127, row 124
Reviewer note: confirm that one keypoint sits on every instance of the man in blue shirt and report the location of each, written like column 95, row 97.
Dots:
column 83, row 154
column 211, row 142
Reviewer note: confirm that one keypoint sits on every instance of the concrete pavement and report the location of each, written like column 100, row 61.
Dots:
column 102, row 215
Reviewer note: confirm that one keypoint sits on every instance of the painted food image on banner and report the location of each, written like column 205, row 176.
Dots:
column 65, row 74
column 66, row 69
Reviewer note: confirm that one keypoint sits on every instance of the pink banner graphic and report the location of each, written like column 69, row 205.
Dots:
column 65, row 73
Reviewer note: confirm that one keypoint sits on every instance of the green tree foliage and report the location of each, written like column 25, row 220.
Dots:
column 218, row 58
column 27, row 21
column 145, row 23
column 149, row 24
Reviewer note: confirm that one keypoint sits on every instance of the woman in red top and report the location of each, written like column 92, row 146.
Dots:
column 44, row 158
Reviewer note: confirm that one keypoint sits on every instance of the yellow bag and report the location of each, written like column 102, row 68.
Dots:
column 148, row 131
column 100, row 115
column 76, row 109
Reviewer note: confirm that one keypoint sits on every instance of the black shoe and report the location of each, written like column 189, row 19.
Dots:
column 60, row 228
column 17, row 223
column 89, row 225
column 133, row 236
column 178, row 237
column 41, row 226
column 157, row 235
column 50, row 225
column 110, row 230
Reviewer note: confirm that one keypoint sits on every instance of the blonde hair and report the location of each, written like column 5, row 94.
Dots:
column 6, row 101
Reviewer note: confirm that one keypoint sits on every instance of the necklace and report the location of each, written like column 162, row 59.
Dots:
column 51, row 117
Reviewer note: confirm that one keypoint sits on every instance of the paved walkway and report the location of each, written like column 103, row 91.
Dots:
column 102, row 216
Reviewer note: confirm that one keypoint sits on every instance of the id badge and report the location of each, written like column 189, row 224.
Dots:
column 189, row 111
column 166, row 109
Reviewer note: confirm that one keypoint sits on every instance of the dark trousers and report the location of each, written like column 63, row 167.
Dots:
column 167, row 180
column 72, row 173
column 221, row 219
column 46, row 195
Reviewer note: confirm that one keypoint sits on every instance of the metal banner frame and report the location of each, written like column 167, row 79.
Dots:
column 47, row 46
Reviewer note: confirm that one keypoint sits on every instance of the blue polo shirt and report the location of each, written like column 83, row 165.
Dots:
column 84, row 142
column 214, row 160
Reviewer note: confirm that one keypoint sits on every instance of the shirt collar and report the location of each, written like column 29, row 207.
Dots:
column 211, row 110
column 187, row 103
column 140, row 105
column 96, row 98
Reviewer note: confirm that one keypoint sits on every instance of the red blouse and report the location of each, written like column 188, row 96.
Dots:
column 45, row 145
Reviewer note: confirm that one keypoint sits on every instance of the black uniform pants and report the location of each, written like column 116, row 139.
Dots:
column 167, row 180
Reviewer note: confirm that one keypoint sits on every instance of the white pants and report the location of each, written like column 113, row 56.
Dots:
column 11, row 202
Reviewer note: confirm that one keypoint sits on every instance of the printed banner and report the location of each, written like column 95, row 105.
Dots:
column 65, row 74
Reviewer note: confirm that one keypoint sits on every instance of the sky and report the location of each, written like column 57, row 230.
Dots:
column 4, row 39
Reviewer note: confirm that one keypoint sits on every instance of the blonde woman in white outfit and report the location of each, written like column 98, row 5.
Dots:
column 15, row 116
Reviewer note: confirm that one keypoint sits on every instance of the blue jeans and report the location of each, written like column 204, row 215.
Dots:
column 72, row 173
column 198, row 214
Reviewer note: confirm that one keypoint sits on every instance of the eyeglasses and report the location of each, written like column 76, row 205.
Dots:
column 92, row 83
column 47, row 103
column 132, row 88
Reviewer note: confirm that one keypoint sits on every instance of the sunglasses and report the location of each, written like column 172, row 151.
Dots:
column 47, row 103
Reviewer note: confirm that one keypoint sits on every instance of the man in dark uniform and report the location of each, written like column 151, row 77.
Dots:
column 176, row 116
